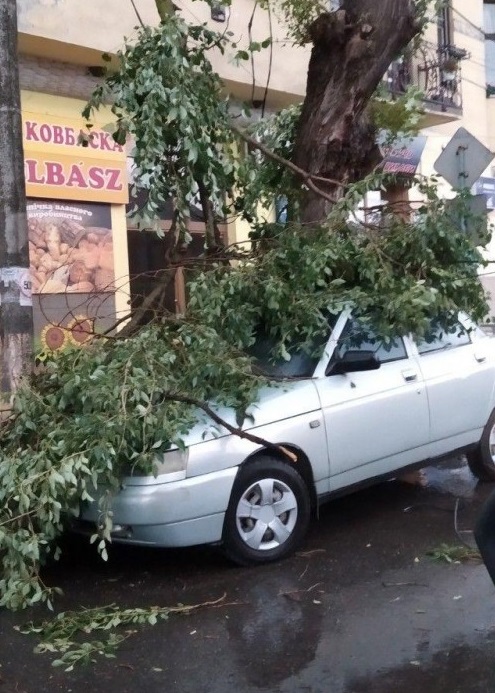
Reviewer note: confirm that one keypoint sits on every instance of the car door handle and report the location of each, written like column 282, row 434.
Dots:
column 480, row 357
column 409, row 376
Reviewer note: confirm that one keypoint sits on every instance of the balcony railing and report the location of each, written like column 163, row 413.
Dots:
column 436, row 71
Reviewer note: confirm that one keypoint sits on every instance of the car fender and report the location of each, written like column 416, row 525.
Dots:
column 305, row 432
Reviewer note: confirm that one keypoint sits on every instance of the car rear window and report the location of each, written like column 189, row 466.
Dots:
column 440, row 339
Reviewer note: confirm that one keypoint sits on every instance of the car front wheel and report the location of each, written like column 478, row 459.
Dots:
column 481, row 459
column 268, row 513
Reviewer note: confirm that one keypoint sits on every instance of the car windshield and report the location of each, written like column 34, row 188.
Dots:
column 303, row 359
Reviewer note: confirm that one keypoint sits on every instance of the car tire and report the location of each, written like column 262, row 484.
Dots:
column 484, row 534
column 268, row 513
column 481, row 459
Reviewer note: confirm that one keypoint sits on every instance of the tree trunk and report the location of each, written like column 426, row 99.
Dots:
column 352, row 49
column 16, row 318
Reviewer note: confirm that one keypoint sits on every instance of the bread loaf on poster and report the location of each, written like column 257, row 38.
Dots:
column 81, row 288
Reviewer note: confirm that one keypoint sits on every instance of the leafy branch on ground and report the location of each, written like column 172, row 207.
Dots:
column 66, row 634
column 454, row 553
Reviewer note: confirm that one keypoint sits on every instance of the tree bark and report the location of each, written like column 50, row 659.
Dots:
column 213, row 237
column 16, row 318
column 352, row 49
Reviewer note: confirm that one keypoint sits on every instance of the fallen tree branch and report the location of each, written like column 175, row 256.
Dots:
column 67, row 634
column 135, row 321
column 212, row 232
column 177, row 397
column 301, row 173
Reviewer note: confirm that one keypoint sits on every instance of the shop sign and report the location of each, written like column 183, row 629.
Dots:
column 65, row 178
column 36, row 131
column 403, row 157
column 70, row 247
column 57, row 166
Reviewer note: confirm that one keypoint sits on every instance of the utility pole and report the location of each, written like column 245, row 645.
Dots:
column 16, row 311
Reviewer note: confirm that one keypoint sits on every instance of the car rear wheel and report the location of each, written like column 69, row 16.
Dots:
column 268, row 513
column 481, row 459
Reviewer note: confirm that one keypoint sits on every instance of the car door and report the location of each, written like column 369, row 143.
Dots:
column 377, row 420
column 458, row 370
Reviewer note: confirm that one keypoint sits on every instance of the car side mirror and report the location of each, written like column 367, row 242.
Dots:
column 354, row 361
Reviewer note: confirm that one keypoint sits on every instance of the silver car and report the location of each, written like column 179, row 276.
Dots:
column 362, row 411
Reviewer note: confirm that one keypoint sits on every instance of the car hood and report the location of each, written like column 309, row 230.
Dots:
column 281, row 401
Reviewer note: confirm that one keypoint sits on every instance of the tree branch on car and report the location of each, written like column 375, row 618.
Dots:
column 176, row 397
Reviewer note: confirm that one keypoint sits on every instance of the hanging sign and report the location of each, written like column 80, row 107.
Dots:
column 403, row 156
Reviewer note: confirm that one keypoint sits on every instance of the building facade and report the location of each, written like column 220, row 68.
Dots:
column 77, row 195
column 454, row 68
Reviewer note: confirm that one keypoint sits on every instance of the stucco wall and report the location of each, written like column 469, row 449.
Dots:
column 74, row 31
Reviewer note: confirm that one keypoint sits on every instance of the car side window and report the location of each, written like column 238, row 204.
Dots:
column 358, row 337
column 440, row 339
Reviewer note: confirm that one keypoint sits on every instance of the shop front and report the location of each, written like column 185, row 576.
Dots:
column 76, row 192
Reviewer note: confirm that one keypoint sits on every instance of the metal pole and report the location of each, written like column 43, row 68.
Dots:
column 16, row 312
column 462, row 175
column 461, row 166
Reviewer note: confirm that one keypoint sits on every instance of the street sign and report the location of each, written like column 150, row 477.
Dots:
column 475, row 222
column 463, row 160
column 486, row 186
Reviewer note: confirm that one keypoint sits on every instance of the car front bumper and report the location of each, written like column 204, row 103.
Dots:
column 176, row 513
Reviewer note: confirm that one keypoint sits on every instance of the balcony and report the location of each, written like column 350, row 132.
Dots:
column 436, row 71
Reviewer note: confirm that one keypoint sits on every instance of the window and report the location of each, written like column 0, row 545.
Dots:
column 445, row 26
column 300, row 365
column 489, row 27
column 281, row 208
column 358, row 337
column 302, row 358
column 440, row 339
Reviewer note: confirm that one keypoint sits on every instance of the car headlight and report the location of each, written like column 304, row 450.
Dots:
column 172, row 463
column 167, row 466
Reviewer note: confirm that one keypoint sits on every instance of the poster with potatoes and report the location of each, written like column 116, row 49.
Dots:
column 70, row 247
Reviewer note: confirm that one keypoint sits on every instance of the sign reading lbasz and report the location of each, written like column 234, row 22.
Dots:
column 64, row 178
column 57, row 166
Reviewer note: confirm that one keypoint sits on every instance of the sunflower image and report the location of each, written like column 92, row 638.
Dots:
column 54, row 337
column 81, row 329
